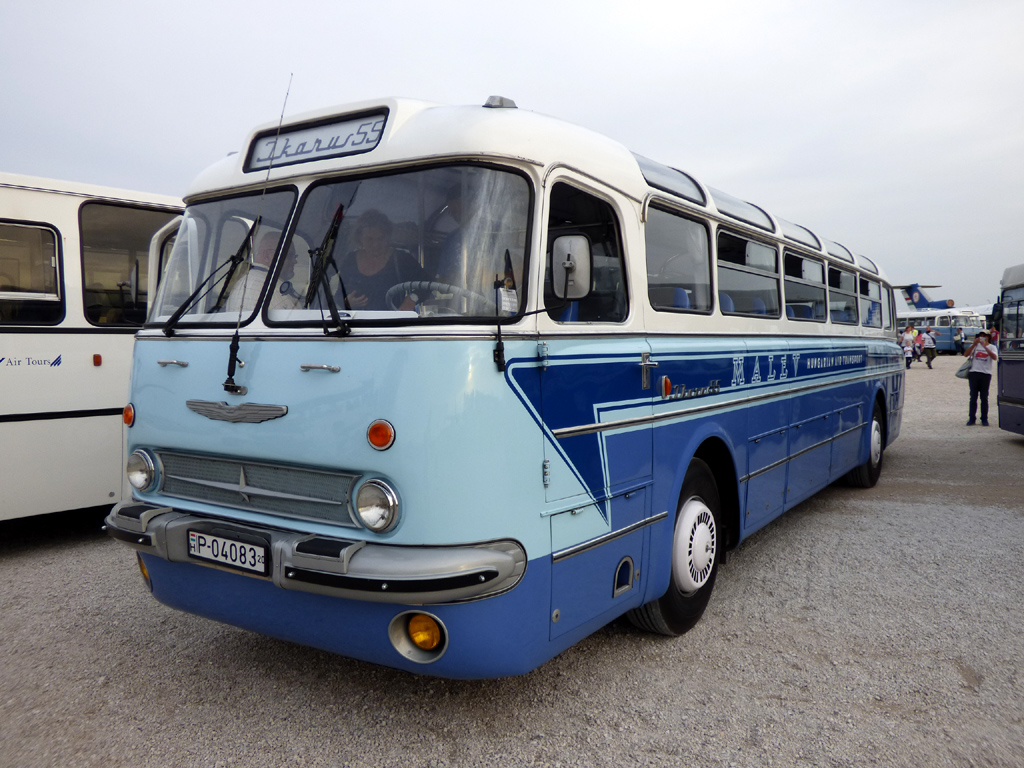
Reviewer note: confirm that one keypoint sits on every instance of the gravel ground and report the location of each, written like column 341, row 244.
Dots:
column 877, row 627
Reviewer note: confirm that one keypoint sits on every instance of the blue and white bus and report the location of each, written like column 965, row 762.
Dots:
column 944, row 324
column 449, row 388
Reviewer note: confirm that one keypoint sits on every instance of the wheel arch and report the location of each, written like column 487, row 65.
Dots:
column 714, row 452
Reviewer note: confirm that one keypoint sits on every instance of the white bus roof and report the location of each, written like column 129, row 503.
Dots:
column 78, row 189
column 1012, row 277
column 416, row 130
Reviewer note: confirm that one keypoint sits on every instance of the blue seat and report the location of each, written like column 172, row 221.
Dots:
column 680, row 299
column 758, row 307
column 789, row 311
column 725, row 302
column 571, row 313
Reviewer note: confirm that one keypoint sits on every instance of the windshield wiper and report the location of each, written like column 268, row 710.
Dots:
column 320, row 258
column 233, row 262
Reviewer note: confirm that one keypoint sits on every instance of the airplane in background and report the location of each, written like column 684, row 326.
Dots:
column 916, row 298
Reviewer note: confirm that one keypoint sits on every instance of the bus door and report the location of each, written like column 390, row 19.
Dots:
column 597, row 382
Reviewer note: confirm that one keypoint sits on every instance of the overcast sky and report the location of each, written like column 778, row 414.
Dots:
column 895, row 128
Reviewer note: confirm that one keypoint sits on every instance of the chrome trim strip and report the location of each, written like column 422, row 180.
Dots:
column 577, row 549
column 606, row 426
column 801, row 452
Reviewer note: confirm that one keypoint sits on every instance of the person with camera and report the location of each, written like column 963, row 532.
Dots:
column 982, row 352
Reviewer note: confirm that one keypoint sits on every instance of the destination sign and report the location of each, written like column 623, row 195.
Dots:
column 317, row 142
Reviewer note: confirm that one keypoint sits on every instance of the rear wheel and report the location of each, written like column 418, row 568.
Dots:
column 867, row 474
column 696, row 549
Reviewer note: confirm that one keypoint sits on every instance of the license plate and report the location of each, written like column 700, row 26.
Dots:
column 236, row 554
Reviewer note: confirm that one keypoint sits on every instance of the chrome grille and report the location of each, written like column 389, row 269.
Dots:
column 281, row 490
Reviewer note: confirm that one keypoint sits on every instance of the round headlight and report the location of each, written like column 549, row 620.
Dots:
column 141, row 471
column 377, row 505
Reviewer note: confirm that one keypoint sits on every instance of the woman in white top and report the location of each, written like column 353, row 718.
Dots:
column 907, row 342
column 982, row 353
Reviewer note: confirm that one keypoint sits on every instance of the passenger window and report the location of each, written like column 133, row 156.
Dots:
column 678, row 263
column 842, row 296
column 944, row 321
column 748, row 277
column 115, row 261
column 870, row 303
column 29, row 283
column 887, row 306
column 805, row 288
column 574, row 212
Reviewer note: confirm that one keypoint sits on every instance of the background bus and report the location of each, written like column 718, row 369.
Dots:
column 1010, row 367
column 944, row 323
column 74, row 265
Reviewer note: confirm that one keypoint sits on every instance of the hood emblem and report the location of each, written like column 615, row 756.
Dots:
column 246, row 413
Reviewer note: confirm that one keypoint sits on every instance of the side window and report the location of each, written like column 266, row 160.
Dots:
column 887, row 305
column 115, row 261
column 748, row 277
column 944, row 321
column 842, row 296
column 805, row 288
column 29, row 277
column 678, row 263
column 870, row 303
column 574, row 212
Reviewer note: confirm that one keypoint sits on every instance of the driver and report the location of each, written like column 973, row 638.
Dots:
column 375, row 266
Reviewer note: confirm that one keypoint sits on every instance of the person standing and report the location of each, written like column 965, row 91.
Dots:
column 907, row 342
column 982, row 352
column 928, row 345
column 958, row 340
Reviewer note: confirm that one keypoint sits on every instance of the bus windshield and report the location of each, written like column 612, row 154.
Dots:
column 201, row 270
column 445, row 242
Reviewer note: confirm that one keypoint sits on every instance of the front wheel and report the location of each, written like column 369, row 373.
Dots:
column 867, row 474
column 697, row 546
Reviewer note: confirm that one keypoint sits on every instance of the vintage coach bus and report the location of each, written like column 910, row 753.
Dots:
column 449, row 388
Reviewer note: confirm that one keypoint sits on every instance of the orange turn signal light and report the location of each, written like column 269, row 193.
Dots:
column 381, row 435
column 424, row 631
column 128, row 415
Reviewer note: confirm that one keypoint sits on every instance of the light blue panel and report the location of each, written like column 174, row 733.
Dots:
column 467, row 459
column 577, row 526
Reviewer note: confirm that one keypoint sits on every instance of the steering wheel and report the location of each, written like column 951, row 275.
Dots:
column 396, row 293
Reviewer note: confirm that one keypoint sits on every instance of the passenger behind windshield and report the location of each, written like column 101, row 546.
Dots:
column 376, row 266
column 433, row 241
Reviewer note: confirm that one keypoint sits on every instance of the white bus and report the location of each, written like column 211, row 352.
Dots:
column 450, row 388
column 74, row 262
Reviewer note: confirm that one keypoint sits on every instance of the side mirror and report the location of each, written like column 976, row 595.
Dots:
column 570, row 267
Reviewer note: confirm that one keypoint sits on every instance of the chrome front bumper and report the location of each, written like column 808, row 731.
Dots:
column 383, row 573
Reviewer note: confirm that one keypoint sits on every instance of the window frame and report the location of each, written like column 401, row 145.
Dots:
column 668, row 210
column 744, row 269
column 855, row 295
column 823, row 286
column 61, row 293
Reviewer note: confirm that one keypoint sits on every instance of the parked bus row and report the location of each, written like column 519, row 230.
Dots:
column 450, row 388
column 944, row 324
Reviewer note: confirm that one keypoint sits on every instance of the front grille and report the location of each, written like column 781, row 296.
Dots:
column 312, row 494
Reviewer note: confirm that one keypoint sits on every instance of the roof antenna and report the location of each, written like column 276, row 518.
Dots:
column 229, row 383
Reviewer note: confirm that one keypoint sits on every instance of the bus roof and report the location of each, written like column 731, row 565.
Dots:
column 78, row 189
column 418, row 130
column 1012, row 277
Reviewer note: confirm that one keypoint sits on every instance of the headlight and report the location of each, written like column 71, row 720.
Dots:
column 141, row 471
column 377, row 505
